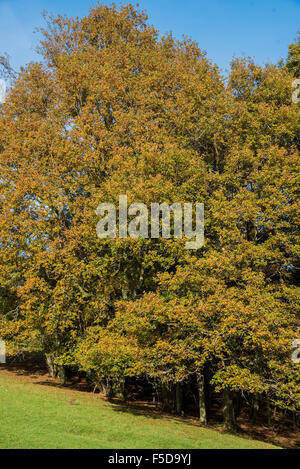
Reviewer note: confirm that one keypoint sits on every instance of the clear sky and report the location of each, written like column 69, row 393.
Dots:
column 261, row 29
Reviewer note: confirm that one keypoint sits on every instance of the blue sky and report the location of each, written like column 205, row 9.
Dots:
column 224, row 28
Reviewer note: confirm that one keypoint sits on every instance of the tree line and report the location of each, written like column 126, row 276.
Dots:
column 114, row 108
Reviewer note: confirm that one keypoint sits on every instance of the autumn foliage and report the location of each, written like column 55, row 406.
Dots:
column 113, row 108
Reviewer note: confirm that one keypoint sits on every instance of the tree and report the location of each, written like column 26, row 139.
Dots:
column 107, row 97
column 293, row 59
column 113, row 109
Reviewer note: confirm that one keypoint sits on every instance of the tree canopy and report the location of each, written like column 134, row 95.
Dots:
column 113, row 108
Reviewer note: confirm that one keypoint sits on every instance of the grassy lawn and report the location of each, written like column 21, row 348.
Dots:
column 33, row 415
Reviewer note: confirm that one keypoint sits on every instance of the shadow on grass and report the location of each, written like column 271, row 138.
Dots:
column 245, row 430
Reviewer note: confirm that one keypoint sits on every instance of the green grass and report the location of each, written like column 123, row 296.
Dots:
column 37, row 416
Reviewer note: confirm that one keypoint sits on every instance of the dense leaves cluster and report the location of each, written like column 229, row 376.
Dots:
column 114, row 109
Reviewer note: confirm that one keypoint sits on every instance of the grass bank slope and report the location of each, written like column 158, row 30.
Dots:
column 33, row 415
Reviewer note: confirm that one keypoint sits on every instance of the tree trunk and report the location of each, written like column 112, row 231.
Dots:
column 201, row 395
column 52, row 367
column 269, row 412
column 179, row 396
column 237, row 404
column 62, row 375
column 108, row 388
column 168, row 398
column 228, row 411
column 122, row 388
column 255, row 408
